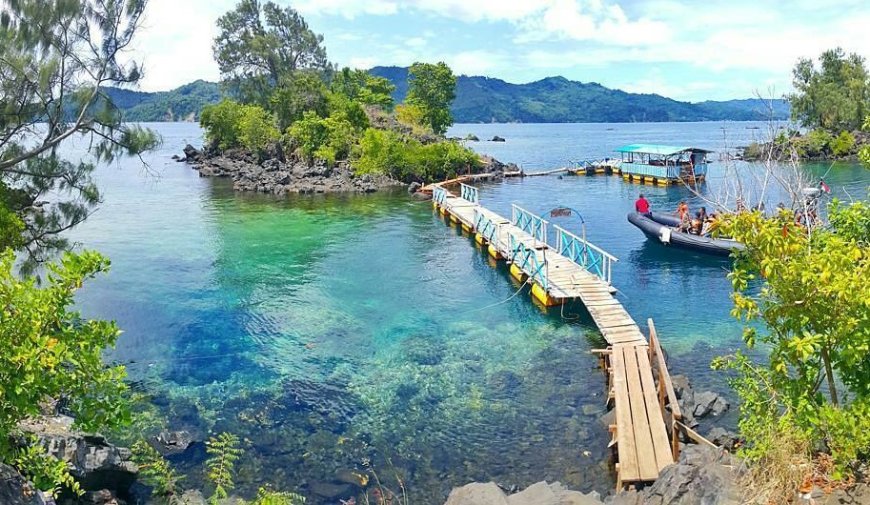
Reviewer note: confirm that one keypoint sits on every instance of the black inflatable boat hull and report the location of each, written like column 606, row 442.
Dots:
column 654, row 227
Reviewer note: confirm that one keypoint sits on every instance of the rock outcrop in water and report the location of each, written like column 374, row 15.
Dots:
column 277, row 175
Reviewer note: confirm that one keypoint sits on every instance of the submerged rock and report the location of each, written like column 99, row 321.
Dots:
column 539, row 493
column 170, row 443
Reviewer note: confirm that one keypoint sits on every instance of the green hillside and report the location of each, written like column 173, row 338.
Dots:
column 485, row 100
column 559, row 100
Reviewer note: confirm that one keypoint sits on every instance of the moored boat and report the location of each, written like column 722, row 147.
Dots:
column 662, row 228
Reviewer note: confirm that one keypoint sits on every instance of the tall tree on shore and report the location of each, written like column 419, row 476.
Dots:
column 261, row 45
column 835, row 96
column 432, row 88
column 56, row 59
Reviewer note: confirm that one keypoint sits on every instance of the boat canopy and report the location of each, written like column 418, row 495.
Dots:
column 659, row 150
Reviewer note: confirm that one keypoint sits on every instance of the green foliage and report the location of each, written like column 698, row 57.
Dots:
column 230, row 124
column 266, row 496
column 843, row 144
column 56, row 61
column 51, row 352
column 154, row 470
column 815, row 305
column 296, row 94
column 328, row 138
column 341, row 106
column 413, row 117
column 46, row 472
column 835, row 96
column 864, row 153
column 261, row 45
column 432, row 88
column 814, row 144
column 256, row 128
column 363, row 88
column 407, row 159
column 223, row 451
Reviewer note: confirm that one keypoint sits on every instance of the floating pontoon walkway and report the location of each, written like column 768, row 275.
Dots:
column 574, row 269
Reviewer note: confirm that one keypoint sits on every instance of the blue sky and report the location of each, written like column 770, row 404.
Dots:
column 678, row 48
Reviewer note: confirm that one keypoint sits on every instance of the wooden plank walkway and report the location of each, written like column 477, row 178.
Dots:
column 573, row 269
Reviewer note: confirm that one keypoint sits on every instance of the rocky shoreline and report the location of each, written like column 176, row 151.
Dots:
column 277, row 175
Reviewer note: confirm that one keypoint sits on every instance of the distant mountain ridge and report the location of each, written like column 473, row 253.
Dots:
column 559, row 100
column 487, row 100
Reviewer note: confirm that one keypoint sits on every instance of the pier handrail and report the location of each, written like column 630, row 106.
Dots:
column 585, row 254
column 469, row 193
column 439, row 195
column 485, row 226
column 533, row 224
column 667, row 396
column 526, row 259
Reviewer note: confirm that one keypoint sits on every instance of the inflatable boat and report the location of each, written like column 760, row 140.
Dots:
column 661, row 227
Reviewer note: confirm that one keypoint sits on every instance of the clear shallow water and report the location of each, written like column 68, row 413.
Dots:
column 331, row 332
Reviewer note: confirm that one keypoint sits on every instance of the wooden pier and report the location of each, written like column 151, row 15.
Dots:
column 570, row 268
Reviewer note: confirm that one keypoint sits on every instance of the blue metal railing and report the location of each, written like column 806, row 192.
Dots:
column 592, row 258
column 526, row 259
column 439, row 195
column 469, row 193
column 532, row 224
column 486, row 227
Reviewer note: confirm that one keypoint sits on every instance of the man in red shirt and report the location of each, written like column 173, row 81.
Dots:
column 641, row 205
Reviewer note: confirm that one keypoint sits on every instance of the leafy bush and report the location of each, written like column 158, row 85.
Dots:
column 46, row 472
column 815, row 308
column 328, row 139
column 816, row 143
column 223, row 451
column 154, row 470
column 864, row 154
column 407, row 159
column 256, row 128
column 341, row 106
column 843, row 144
column 413, row 117
column 297, row 94
column 230, row 124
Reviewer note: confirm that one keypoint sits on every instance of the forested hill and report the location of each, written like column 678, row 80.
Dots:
column 484, row 100
column 181, row 104
column 558, row 100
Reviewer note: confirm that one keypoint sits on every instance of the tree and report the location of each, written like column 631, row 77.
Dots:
column 432, row 88
column 364, row 88
column 296, row 94
column 864, row 154
column 836, row 96
column 261, row 44
column 56, row 59
column 51, row 353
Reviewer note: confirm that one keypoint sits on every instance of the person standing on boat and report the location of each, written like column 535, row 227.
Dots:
column 641, row 205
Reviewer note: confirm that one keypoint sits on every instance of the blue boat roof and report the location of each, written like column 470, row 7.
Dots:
column 659, row 149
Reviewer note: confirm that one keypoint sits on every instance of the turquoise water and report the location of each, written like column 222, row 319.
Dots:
column 337, row 333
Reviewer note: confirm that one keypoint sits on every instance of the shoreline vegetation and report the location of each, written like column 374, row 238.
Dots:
column 802, row 287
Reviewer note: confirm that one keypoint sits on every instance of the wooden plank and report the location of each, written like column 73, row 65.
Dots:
column 657, row 428
column 628, row 469
column 664, row 375
column 646, row 459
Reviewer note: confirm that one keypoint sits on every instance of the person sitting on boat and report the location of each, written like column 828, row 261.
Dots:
column 641, row 205
column 697, row 223
column 685, row 221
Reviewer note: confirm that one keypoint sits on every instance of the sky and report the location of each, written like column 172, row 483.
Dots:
column 687, row 50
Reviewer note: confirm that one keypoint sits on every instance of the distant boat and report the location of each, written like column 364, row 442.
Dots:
column 662, row 165
column 661, row 228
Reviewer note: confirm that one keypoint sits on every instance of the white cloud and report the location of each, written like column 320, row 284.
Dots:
column 348, row 9
column 363, row 63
